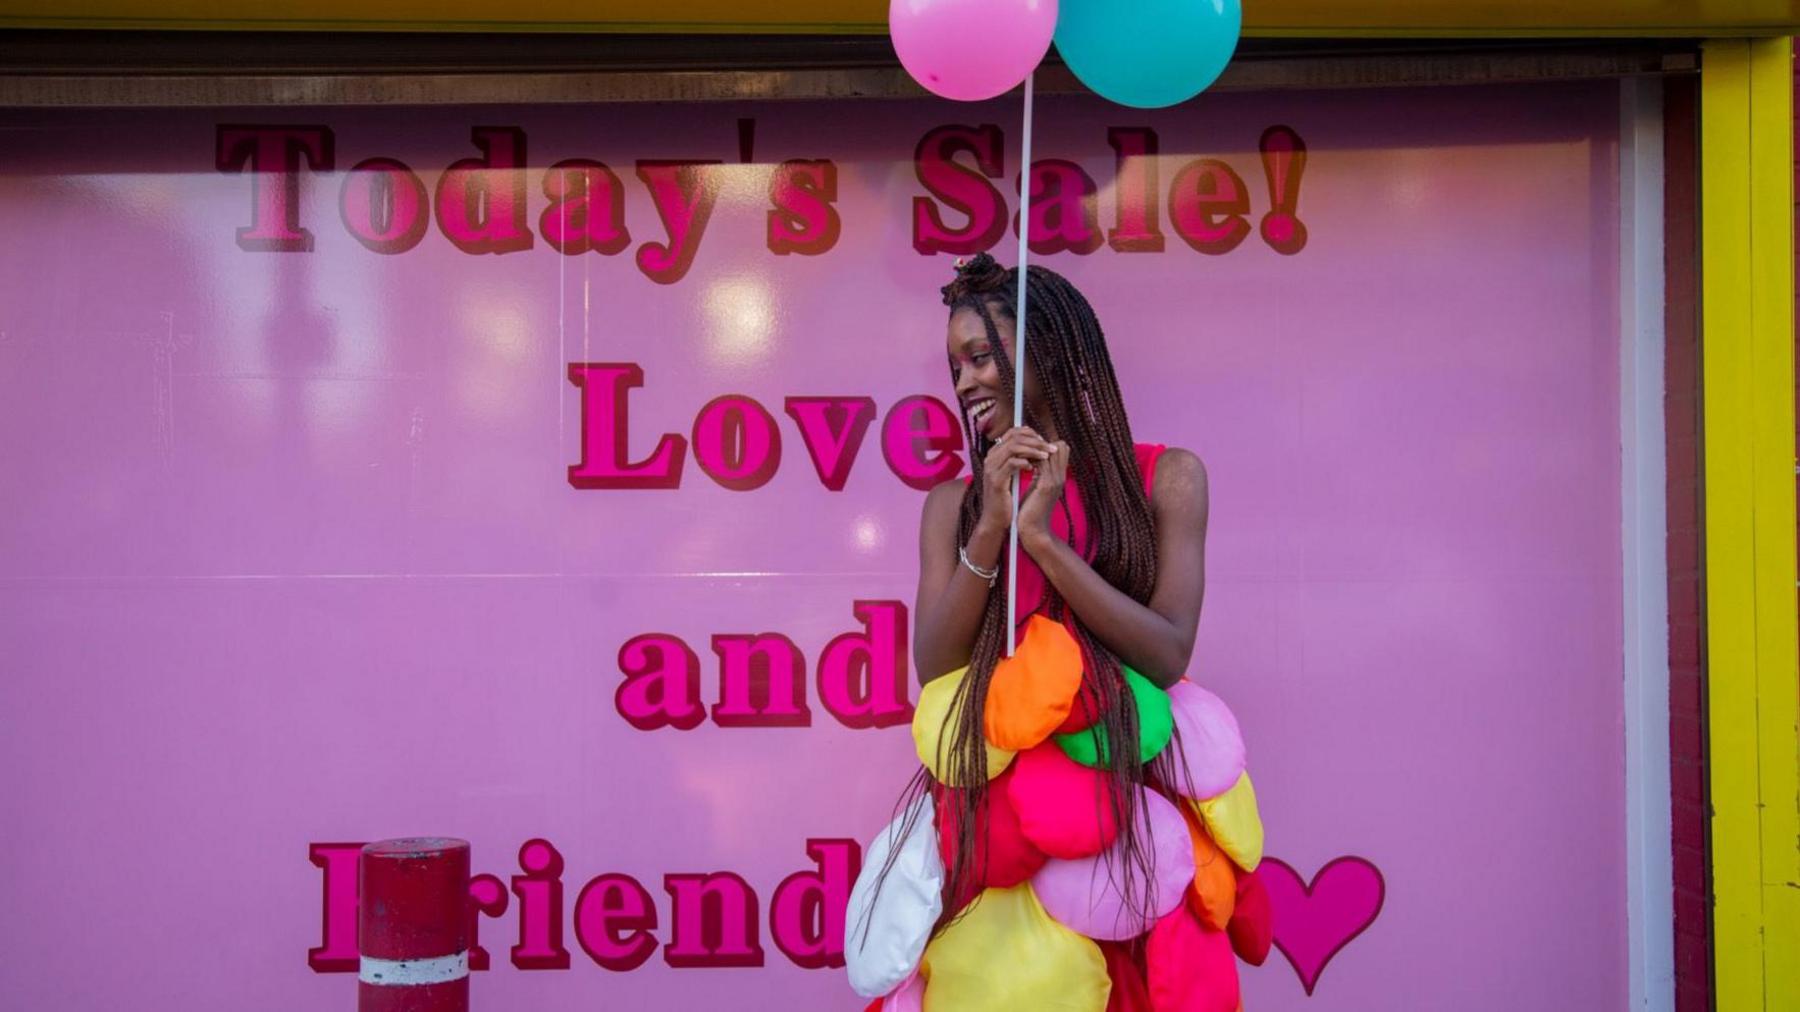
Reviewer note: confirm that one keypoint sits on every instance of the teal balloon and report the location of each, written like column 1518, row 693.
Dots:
column 1156, row 724
column 1148, row 53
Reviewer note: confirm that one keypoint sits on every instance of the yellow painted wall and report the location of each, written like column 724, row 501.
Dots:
column 1747, row 349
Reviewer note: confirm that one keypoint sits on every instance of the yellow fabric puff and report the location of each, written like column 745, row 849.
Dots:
column 933, row 730
column 1233, row 821
column 1007, row 955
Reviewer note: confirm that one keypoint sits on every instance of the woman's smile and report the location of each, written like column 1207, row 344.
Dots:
column 983, row 410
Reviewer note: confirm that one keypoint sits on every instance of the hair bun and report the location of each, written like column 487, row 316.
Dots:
column 976, row 275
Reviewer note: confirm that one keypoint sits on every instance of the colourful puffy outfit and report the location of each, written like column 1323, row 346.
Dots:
column 1051, row 928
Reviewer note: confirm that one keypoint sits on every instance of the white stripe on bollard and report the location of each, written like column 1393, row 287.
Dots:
column 407, row 972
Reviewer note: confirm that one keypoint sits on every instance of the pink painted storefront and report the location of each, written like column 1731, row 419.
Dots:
column 549, row 475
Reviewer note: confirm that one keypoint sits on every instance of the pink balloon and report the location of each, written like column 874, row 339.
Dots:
column 971, row 49
column 1086, row 894
column 1212, row 749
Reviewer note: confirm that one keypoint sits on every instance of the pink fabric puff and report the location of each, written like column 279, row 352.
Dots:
column 1252, row 927
column 1090, row 894
column 1064, row 808
column 908, row 997
column 1004, row 857
column 1190, row 968
column 1212, row 748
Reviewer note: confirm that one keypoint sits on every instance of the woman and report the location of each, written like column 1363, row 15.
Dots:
column 1140, row 597
column 1111, row 575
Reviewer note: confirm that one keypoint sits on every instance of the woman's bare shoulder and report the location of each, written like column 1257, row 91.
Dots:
column 943, row 501
column 1180, row 477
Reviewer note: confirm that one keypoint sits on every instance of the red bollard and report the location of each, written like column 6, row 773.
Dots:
column 413, row 926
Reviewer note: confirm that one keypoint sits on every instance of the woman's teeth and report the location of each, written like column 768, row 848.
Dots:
column 981, row 410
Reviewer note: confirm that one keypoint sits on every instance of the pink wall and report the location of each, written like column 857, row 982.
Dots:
column 294, row 558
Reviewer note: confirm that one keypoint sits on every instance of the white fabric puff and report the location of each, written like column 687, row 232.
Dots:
column 884, row 935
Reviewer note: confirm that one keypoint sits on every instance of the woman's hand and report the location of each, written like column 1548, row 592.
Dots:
column 1046, row 489
column 1018, row 448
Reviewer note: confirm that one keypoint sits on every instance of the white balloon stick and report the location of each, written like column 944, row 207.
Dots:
column 1012, row 541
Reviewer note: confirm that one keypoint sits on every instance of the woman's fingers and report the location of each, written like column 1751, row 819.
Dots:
column 1004, row 471
column 1031, row 442
column 1027, row 436
column 1021, row 442
column 1021, row 449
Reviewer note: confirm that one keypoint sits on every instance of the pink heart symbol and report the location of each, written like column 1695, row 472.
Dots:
column 1314, row 922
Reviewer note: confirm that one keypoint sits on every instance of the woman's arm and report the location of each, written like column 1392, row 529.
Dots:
column 951, row 599
column 947, row 613
column 1157, row 641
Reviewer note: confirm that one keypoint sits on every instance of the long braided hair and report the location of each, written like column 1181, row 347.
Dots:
column 1067, row 353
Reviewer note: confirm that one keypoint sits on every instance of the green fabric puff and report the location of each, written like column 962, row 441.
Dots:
column 1156, row 722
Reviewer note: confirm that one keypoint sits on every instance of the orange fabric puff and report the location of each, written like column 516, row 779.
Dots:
column 1032, row 691
column 1214, row 893
column 1252, row 927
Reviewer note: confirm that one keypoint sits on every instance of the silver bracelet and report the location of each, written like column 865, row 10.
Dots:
column 989, row 576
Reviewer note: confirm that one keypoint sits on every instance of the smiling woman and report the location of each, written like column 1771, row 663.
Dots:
column 1134, row 592
column 1110, row 584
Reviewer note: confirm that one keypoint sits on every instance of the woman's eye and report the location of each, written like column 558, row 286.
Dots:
column 980, row 357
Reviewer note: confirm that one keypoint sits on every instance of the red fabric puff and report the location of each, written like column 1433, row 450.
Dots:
column 1129, row 992
column 1009, row 857
column 1252, row 926
column 1084, row 711
column 1190, row 969
column 1064, row 808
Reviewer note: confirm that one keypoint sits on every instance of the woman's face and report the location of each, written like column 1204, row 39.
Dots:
column 978, row 384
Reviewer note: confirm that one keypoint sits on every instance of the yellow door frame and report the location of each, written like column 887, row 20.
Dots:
column 1747, row 368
